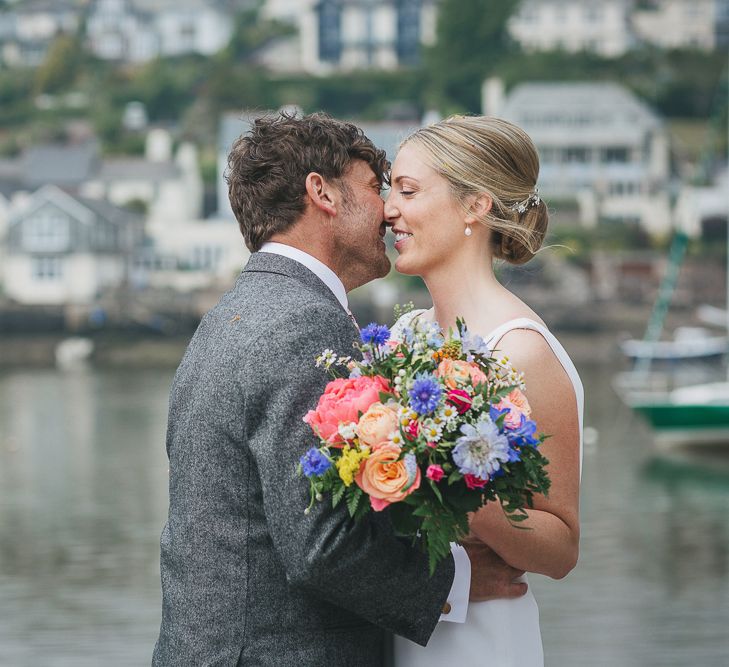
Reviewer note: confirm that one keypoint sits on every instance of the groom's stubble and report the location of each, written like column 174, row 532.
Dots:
column 360, row 230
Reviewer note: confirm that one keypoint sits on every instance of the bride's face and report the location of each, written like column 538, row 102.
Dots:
column 427, row 220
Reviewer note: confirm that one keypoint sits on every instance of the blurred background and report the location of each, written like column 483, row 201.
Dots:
column 116, row 235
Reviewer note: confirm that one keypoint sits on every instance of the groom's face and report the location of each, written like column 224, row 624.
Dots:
column 360, row 228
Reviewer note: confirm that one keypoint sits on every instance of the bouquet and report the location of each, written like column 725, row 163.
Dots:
column 427, row 427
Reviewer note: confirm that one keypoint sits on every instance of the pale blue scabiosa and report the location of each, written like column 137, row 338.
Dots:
column 481, row 449
column 314, row 463
column 425, row 394
column 375, row 334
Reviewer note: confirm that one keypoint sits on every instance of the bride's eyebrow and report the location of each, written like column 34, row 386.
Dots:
column 403, row 177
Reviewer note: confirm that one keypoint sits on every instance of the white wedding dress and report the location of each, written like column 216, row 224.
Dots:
column 498, row 633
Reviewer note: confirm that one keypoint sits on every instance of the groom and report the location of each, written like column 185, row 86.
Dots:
column 247, row 578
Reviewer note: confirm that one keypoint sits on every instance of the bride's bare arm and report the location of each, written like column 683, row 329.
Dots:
column 551, row 546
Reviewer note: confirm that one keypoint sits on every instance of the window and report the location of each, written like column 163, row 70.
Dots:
column 593, row 13
column 47, row 268
column 330, row 31
column 576, row 154
column 47, row 231
column 408, row 31
column 615, row 155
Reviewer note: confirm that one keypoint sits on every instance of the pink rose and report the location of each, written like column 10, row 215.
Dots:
column 457, row 372
column 473, row 482
column 434, row 472
column 376, row 425
column 342, row 401
column 518, row 405
column 383, row 477
column 460, row 400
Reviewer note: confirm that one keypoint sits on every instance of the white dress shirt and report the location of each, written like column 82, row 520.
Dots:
column 458, row 596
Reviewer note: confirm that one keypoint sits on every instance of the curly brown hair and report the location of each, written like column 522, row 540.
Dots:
column 268, row 166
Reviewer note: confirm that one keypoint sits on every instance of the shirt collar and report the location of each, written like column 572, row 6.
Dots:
column 318, row 268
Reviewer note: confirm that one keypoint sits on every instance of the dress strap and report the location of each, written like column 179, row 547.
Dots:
column 493, row 339
column 525, row 323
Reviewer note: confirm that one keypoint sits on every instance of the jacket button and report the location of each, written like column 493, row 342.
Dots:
column 446, row 608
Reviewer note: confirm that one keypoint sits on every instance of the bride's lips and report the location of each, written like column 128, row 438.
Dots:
column 401, row 238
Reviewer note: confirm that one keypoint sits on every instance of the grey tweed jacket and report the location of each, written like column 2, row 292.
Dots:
column 247, row 578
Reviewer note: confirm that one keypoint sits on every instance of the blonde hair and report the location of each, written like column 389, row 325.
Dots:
column 485, row 155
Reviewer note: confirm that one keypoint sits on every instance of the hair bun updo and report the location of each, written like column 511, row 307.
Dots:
column 520, row 248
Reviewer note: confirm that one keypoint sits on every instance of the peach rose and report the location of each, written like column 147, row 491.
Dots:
column 376, row 425
column 518, row 406
column 341, row 403
column 383, row 477
column 457, row 371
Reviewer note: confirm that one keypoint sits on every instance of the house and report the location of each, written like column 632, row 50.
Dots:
column 612, row 27
column 27, row 29
column 599, row 145
column 351, row 34
column 165, row 186
column 673, row 24
column 600, row 26
column 190, row 255
column 140, row 30
column 64, row 249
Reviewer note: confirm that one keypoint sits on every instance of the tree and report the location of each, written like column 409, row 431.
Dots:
column 471, row 41
column 60, row 67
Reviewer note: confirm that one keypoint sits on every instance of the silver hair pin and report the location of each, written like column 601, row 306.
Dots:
column 532, row 200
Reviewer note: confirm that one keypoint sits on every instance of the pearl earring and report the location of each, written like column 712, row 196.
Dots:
column 468, row 231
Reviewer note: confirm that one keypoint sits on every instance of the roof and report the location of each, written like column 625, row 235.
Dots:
column 101, row 209
column 135, row 169
column 388, row 134
column 233, row 125
column 67, row 166
column 602, row 112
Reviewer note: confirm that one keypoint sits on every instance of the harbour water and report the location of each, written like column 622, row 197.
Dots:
column 83, row 496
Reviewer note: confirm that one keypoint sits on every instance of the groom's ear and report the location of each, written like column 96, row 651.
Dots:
column 479, row 208
column 321, row 193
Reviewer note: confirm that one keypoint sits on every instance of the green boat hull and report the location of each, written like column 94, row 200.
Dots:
column 669, row 416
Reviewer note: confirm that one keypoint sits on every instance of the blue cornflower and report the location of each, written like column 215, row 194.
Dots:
column 376, row 334
column 425, row 394
column 495, row 412
column 314, row 463
column 481, row 449
column 524, row 434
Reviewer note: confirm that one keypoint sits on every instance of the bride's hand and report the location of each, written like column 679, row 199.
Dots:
column 492, row 578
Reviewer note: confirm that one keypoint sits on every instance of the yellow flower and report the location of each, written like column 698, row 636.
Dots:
column 349, row 463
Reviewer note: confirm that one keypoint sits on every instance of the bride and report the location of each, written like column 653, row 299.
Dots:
column 464, row 193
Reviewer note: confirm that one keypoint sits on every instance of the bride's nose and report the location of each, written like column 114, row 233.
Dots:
column 391, row 211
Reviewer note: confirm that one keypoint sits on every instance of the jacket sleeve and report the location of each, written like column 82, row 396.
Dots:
column 360, row 565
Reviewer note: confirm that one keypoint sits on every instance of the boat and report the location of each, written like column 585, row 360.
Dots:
column 687, row 343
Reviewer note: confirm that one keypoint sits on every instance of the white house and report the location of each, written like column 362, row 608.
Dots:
column 117, row 30
column 674, row 24
column 140, row 30
column 169, row 187
column 601, row 26
column 190, row 255
column 698, row 205
column 351, row 34
column 27, row 29
column 63, row 249
column 598, row 145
